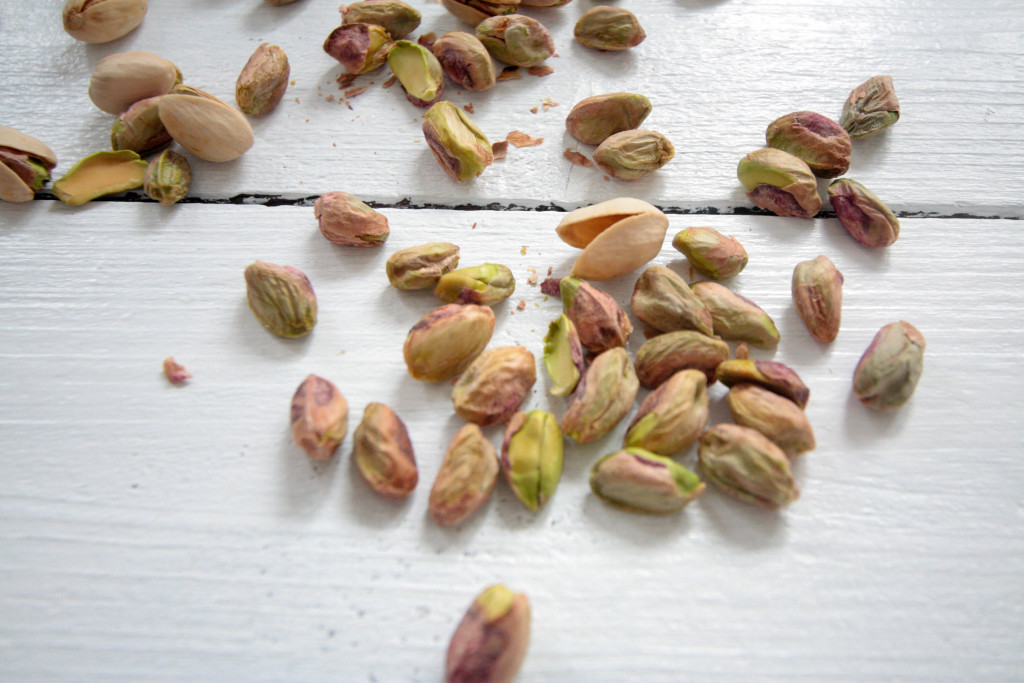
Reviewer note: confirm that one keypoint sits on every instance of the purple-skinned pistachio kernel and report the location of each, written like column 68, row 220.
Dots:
column 769, row 374
column 863, row 214
column 818, row 140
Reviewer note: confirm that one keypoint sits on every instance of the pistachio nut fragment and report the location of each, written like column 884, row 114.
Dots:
column 25, row 165
column 486, row 284
column 122, row 79
column 603, row 396
column 599, row 320
column 474, row 11
column 465, row 60
column 489, row 644
column 637, row 480
column 736, row 317
column 818, row 140
column 282, row 298
column 595, row 118
column 864, row 215
column 663, row 300
column 445, row 341
column 100, row 174
column 263, row 80
column 319, row 417
column 871, row 107
column 887, row 373
column 633, row 154
column 168, row 178
column 563, row 356
column 771, row 375
column 101, row 21
column 343, row 219
column 818, row 297
column 466, row 478
column 778, row 418
column 780, row 182
column 208, row 128
column 360, row 48
column 531, row 457
column 663, row 356
column 711, row 253
column 383, row 453
column 745, row 464
column 494, row 385
column 458, row 145
column 516, row 39
column 140, row 129
column 609, row 28
column 399, row 19
column 672, row 416
column 422, row 266
column 617, row 237
column 418, row 70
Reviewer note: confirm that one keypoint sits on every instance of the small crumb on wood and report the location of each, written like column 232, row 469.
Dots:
column 521, row 306
column 607, row 178
column 541, row 71
column 551, row 287
column 470, row 109
column 550, row 268
column 532, row 278
column 427, row 40
column 548, row 103
column 298, row 101
column 175, row 372
column 521, row 139
column 577, row 158
column 346, row 79
column 692, row 274
column 291, row 82
column 509, row 73
column 329, row 98
column 390, row 82
column 742, row 351
column 522, row 250
column 354, row 92
column 534, row 109
column 499, row 149
column 474, row 227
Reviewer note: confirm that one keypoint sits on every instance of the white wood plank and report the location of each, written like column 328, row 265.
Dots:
column 161, row 533
column 717, row 72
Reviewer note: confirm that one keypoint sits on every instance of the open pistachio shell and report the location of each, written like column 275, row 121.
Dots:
column 101, row 174
column 25, row 165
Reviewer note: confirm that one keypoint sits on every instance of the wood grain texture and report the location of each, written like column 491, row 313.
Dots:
column 717, row 71
column 153, row 532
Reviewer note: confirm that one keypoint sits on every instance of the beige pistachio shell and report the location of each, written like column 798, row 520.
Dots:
column 101, row 21
column 122, row 79
column 12, row 187
column 580, row 227
column 209, row 129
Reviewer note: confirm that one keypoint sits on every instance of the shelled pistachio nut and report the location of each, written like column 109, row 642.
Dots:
column 343, row 219
column 711, row 253
column 122, row 79
column 100, row 174
column 603, row 396
column 319, row 417
column 596, row 118
column 263, row 80
column 871, row 107
column 617, row 237
column 531, row 457
column 666, row 354
column 383, row 453
column 863, row 214
column 139, row 128
column 771, row 375
column 25, row 165
column 282, row 298
column 774, row 416
column 563, row 356
column 399, row 19
column 466, row 477
column 633, row 154
column 494, row 385
column 780, row 182
column 818, row 140
column 418, row 71
column 638, row 480
column 486, row 284
column 735, row 317
column 101, row 21
column 672, row 416
column 465, row 60
column 474, row 11
column 445, row 341
column 888, row 372
column 462, row 150
column 818, row 297
column 422, row 266
column 662, row 299
column 516, row 39
column 168, row 178
column 745, row 464
column 599, row 320
column 359, row 47
column 609, row 28
column 489, row 644
column 208, row 128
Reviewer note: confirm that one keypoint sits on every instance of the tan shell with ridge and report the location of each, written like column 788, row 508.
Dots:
column 208, row 128
column 122, row 79
column 12, row 187
column 617, row 236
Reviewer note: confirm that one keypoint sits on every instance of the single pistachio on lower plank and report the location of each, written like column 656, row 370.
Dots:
column 863, row 214
column 465, row 60
column 101, row 21
column 711, row 253
column 531, row 457
column 25, row 165
column 780, row 182
column 818, row 140
column 490, row 643
column 486, row 284
column 418, row 71
column 445, row 341
column 100, row 174
column 769, row 374
column 603, row 396
column 609, row 28
column 638, row 480
column 516, row 39
column 617, row 237
column 563, row 356
column 666, row 354
column 888, row 372
column 383, row 454
column 343, row 219
column 140, row 129
column 124, row 78
column 672, row 416
column 422, row 266
column 662, row 299
column 263, row 80
column 633, row 154
column 599, row 320
column 398, row 18
column 319, row 417
column 594, row 119
column 818, row 297
column 282, row 298
column 462, row 150
column 474, row 11
column 736, row 317
column 871, row 107
column 168, row 178
column 774, row 416
column 466, row 478
column 360, row 47
column 494, row 385
column 745, row 464
column 208, row 128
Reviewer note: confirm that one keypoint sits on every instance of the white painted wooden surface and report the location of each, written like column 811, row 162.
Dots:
column 717, row 72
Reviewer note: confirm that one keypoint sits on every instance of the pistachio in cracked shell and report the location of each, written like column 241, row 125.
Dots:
column 596, row 118
column 735, row 317
column 474, row 11
column 445, row 341
column 168, row 178
column 124, row 78
column 603, row 396
column 398, row 18
column 343, row 219
column 863, row 214
column 465, row 60
column 563, row 356
column 818, row 140
column 206, row 127
column 771, row 375
column 466, row 478
column 818, row 297
column 780, row 182
column 489, row 644
column 486, row 284
column 139, row 128
column 782, row 421
column 662, row 299
column 633, row 154
column 494, row 385
column 672, row 416
column 888, row 372
column 531, row 457
column 638, row 480
column 600, row 322
column 617, row 237
column 418, row 71
column 871, row 107
column 383, row 454
column 711, row 253
column 360, row 48
column 25, row 165
column 421, row 266
column 663, row 356
column 100, row 174
column 263, row 80
column 746, row 465
column 282, row 298
column 319, row 417
column 516, row 39
column 459, row 146
column 609, row 28
column 101, row 21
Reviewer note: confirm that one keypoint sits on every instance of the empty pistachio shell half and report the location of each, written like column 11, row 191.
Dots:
column 617, row 237
column 494, row 385
column 637, row 480
column 633, row 154
column 122, row 79
column 101, row 21
column 888, row 372
column 445, row 341
column 398, row 18
column 490, row 642
column 531, row 457
column 25, row 165
column 319, row 417
column 466, row 478
column 101, row 174
column 208, row 128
